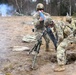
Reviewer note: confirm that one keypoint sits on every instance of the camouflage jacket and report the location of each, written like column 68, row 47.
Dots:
column 37, row 23
column 58, row 28
column 69, row 28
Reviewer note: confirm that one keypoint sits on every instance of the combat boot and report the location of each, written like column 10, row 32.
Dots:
column 59, row 68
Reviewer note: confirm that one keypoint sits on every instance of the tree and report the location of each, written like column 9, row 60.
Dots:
column 54, row 7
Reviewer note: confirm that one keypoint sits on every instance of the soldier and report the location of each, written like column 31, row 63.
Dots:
column 58, row 29
column 68, row 38
column 49, row 24
column 65, row 36
column 39, row 24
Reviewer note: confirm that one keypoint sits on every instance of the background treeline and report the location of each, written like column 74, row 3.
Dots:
column 54, row 7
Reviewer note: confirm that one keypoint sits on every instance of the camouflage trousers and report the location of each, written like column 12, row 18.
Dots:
column 38, row 35
column 61, row 49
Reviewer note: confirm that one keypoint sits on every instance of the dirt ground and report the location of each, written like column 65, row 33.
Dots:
column 12, row 30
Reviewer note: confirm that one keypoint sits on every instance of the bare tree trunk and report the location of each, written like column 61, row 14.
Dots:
column 70, row 7
column 18, row 6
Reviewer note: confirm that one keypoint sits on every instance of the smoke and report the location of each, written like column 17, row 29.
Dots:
column 6, row 10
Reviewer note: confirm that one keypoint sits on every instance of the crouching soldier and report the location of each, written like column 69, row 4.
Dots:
column 69, row 32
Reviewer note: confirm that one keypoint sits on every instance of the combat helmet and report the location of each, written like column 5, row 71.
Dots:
column 48, row 21
column 39, row 6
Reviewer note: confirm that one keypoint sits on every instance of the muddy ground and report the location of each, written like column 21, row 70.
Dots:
column 12, row 30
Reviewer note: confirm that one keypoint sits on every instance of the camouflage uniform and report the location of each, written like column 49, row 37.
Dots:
column 59, row 31
column 39, row 25
column 69, row 38
column 61, row 53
